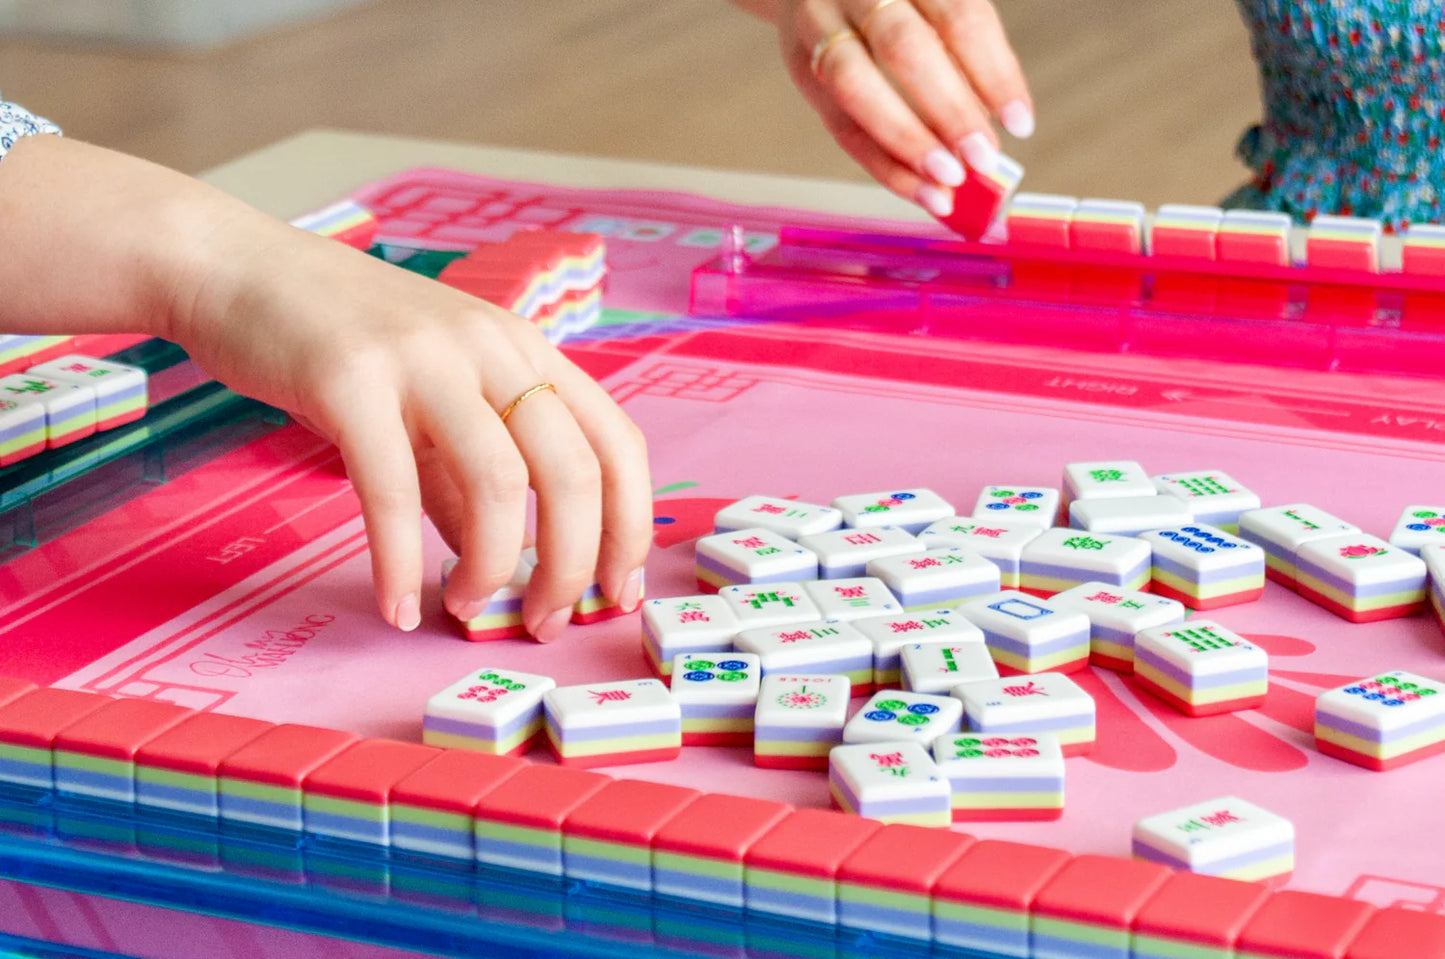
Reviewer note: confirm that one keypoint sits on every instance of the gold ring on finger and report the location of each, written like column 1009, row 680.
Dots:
column 523, row 397
column 821, row 48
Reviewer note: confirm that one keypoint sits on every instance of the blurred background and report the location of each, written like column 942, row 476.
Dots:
column 1135, row 100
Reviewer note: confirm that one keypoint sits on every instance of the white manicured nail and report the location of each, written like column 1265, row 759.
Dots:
column 979, row 153
column 935, row 200
column 943, row 167
column 1017, row 119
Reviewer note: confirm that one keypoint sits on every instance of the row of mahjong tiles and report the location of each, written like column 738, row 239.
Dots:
column 1004, row 898
column 66, row 399
column 1210, row 233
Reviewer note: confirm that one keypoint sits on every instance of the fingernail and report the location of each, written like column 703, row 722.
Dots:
column 408, row 613
column 551, row 627
column 631, row 592
column 471, row 610
column 943, row 167
column 979, row 153
column 935, row 200
column 1017, row 119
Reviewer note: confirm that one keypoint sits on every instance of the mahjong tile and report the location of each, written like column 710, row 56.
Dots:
column 936, row 668
column 1386, row 720
column 599, row 704
column 22, row 430
column 1061, row 558
column 490, row 710
column 69, row 407
column 890, row 782
column 1027, row 634
column 501, row 618
column 121, row 389
column 855, row 598
column 824, row 647
column 1025, row 705
column 1025, row 505
column 889, row 634
column 1115, row 617
column 894, row 715
column 1281, row 530
column 774, row 604
column 1201, row 668
column 939, row 577
column 1213, row 496
column 718, row 696
column 634, row 720
column 1360, row 577
column 1104, row 480
column 910, row 510
column 844, row 553
column 800, row 717
column 1127, row 515
column 686, row 624
column 753, row 555
column 1226, row 837
column 1419, row 526
column 1002, row 777
column 783, row 516
column 1204, row 567
column 1001, row 543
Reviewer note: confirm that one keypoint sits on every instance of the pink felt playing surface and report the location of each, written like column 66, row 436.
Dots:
column 244, row 586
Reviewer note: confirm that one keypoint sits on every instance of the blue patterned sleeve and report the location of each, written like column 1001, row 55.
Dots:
column 16, row 122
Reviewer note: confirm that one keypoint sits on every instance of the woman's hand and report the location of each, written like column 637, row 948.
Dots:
column 906, row 87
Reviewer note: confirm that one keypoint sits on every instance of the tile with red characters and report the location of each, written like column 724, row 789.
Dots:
column 940, row 577
column 889, row 634
column 825, row 647
column 771, row 604
column 489, row 710
column 855, row 598
column 1419, row 526
column 1026, row 505
column 911, row 509
column 1026, row 705
column 892, row 782
column 938, row 668
column 753, row 555
column 1360, row 577
column 799, row 718
column 685, row 624
column 846, row 553
column 1001, row 542
column 611, row 724
column 783, row 516
column 1115, row 617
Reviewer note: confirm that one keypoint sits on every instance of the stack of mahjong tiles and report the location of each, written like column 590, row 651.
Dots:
column 66, row 399
column 552, row 278
column 501, row 617
column 462, row 811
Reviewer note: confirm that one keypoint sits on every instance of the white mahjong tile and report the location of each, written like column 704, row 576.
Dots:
column 1220, row 836
column 1001, row 543
column 1023, row 618
column 801, row 646
column 843, row 553
column 803, row 701
column 1200, row 648
column 754, row 555
column 1202, row 549
column 1104, row 480
column 771, row 604
column 1212, row 496
column 1434, row 557
column 1363, row 561
column 783, row 516
column 108, row 378
column 69, row 407
column 889, row 634
column 22, row 424
column 979, row 757
column 1084, row 555
column 690, row 624
column 887, row 773
column 911, row 509
column 1281, row 530
column 1119, row 610
column 1128, row 515
column 606, row 704
column 727, row 679
column 1386, row 703
column 895, row 715
column 1419, row 526
column 855, row 598
column 1025, row 505
column 936, row 578
column 937, row 668
column 1001, row 705
column 489, row 697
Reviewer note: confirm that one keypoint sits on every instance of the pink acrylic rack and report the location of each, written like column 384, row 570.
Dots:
column 1275, row 316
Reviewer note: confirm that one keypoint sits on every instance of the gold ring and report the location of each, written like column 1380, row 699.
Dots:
column 821, row 48
column 873, row 12
column 524, row 397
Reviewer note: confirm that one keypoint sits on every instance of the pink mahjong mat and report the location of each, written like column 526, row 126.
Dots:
column 244, row 585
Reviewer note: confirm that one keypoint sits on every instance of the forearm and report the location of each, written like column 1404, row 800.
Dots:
column 93, row 241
